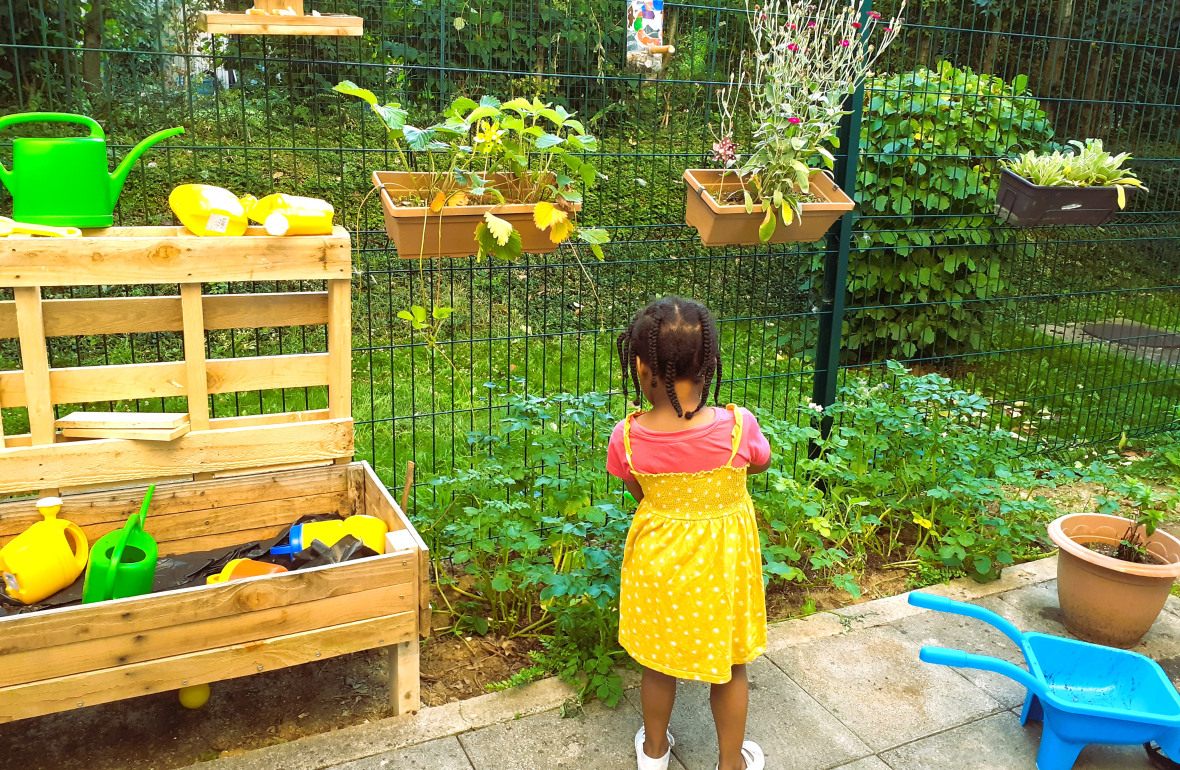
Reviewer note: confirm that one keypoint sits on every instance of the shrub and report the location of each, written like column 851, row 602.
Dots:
column 927, row 248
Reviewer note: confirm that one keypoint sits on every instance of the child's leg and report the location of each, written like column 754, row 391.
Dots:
column 730, row 702
column 657, row 695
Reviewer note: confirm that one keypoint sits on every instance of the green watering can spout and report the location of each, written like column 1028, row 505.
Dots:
column 119, row 176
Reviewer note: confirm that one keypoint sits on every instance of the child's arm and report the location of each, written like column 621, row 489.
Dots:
column 617, row 465
column 634, row 488
column 757, row 447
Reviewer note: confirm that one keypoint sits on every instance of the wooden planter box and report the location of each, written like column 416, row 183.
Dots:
column 728, row 224
column 419, row 233
column 1022, row 203
column 227, row 481
column 266, row 20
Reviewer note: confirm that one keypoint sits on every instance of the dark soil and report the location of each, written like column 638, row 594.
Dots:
column 1124, row 552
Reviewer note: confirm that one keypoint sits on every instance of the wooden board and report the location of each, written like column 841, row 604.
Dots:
column 102, row 686
column 131, row 434
column 270, row 24
column 167, row 255
column 123, row 420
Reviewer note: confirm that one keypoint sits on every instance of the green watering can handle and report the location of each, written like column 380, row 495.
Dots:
column 136, row 521
column 96, row 131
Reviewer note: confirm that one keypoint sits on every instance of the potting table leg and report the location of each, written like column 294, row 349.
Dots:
column 404, row 683
column 1055, row 753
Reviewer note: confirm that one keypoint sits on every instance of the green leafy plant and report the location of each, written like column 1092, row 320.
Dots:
column 1086, row 164
column 489, row 152
column 805, row 61
column 926, row 251
column 1145, row 504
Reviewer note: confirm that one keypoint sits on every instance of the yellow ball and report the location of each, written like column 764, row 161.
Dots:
column 194, row 697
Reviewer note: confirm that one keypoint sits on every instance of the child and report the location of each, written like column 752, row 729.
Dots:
column 692, row 605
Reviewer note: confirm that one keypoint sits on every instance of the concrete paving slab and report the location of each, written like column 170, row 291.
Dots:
column 1035, row 608
column 790, row 633
column 940, row 629
column 442, row 754
column 868, row 763
column 873, row 682
column 996, row 742
column 595, row 738
column 791, row 727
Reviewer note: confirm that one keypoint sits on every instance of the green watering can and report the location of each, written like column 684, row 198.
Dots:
column 123, row 562
column 64, row 181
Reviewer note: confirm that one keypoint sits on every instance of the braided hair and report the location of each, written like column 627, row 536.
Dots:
column 677, row 340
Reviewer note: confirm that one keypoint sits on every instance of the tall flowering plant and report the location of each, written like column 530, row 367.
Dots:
column 805, row 59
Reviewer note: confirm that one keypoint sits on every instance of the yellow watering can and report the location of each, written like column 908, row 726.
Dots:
column 45, row 558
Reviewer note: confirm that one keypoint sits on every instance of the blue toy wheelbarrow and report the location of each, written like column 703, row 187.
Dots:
column 1083, row 693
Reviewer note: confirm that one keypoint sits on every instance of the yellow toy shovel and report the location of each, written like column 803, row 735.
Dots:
column 9, row 227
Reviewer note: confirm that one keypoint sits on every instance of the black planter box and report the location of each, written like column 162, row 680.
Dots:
column 1020, row 202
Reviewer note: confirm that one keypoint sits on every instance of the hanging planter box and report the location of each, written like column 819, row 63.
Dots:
column 1022, row 203
column 728, row 224
column 419, row 233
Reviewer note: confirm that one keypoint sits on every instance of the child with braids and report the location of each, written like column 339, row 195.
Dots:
column 692, row 605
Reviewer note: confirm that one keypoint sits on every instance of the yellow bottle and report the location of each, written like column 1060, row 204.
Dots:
column 208, row 210
column 283, row 214
column 45, row 558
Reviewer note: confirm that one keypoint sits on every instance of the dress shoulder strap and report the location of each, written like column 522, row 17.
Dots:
column 736, row 439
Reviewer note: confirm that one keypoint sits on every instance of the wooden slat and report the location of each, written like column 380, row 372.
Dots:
column 339, row 348
column 133, row 434
column 102, row 460
column 228, row 375
column 258, row 311
column 123, row 420
column 35, row 363
column 86, row 384
column 51, row 695
column 166, row 255
column 196, row 379
column 136, row 315
column 202, row 633
column 378, row 502
column 253, row 420
column 333, row 25
column 405, row 681
column 80, row 623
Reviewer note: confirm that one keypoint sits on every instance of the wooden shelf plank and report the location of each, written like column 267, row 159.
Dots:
column 133, row 434
column 334, row 25
column 123, row 420
column 164, row 255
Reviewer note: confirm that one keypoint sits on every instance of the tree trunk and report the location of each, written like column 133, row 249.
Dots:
column 992, row 49
column 92, row 26
column 1051, row 80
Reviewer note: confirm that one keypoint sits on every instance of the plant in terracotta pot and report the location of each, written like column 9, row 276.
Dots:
column 1082, row 185
column 492, row 178
column 805, row 60
column 1115, row 573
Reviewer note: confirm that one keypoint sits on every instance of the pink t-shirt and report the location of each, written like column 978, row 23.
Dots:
column 702, row 448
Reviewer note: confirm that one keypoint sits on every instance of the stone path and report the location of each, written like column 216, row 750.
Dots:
column 841, row 690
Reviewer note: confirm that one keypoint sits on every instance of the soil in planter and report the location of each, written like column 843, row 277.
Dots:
column 735, row 197
column 1124, row 553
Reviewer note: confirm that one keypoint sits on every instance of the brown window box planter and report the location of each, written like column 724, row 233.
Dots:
column 728, row 224
column 1107, row 600
column 419, row 233
column 1024, row 204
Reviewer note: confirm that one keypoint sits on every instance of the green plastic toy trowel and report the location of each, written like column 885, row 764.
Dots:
column 123, row 562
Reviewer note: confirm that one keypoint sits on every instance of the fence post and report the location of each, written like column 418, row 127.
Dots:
column 835, row 269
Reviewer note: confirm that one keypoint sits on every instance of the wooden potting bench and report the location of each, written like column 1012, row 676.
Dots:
column 226, row 481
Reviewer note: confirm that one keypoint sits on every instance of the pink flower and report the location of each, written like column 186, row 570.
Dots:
column 725, row 150
column 811, row 25
column 792, row 47
column 794, row 121
column 889, row 29
column 856, row 25
column 874, row 15
column 792, row 26
column 845, row 43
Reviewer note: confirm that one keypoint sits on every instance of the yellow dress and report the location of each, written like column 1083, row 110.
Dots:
column 692, row 602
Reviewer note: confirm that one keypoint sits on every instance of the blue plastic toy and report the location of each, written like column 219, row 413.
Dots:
column 1083, row 693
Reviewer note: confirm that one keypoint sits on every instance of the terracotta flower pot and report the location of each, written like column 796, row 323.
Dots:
column 728, row 224
column 419, row 233
column 1104, row 599
column 1020, row 202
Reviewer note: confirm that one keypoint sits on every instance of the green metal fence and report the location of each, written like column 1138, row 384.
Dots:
column 932, row 276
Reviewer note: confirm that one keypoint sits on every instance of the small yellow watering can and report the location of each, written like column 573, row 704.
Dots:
column 45, row 558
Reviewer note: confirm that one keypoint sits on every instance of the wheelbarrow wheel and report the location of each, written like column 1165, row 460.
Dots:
column 1158, row 760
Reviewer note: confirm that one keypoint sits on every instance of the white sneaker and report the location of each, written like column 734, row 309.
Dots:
column 752, row 753
column 643, row 761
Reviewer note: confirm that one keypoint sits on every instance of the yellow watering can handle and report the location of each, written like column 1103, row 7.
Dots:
column 81, row 547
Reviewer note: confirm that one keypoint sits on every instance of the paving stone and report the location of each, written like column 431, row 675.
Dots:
column 442, row 754
column 795, row 732
column 873, row 682
column 595, row 738
column 994, row 743
column 868, row 763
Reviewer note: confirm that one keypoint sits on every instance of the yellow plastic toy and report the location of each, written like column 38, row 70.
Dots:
column 9, row 227
column 195, row 696
column 208, row 210
column 283, row 214
column 370, row 530
column 45, row 558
